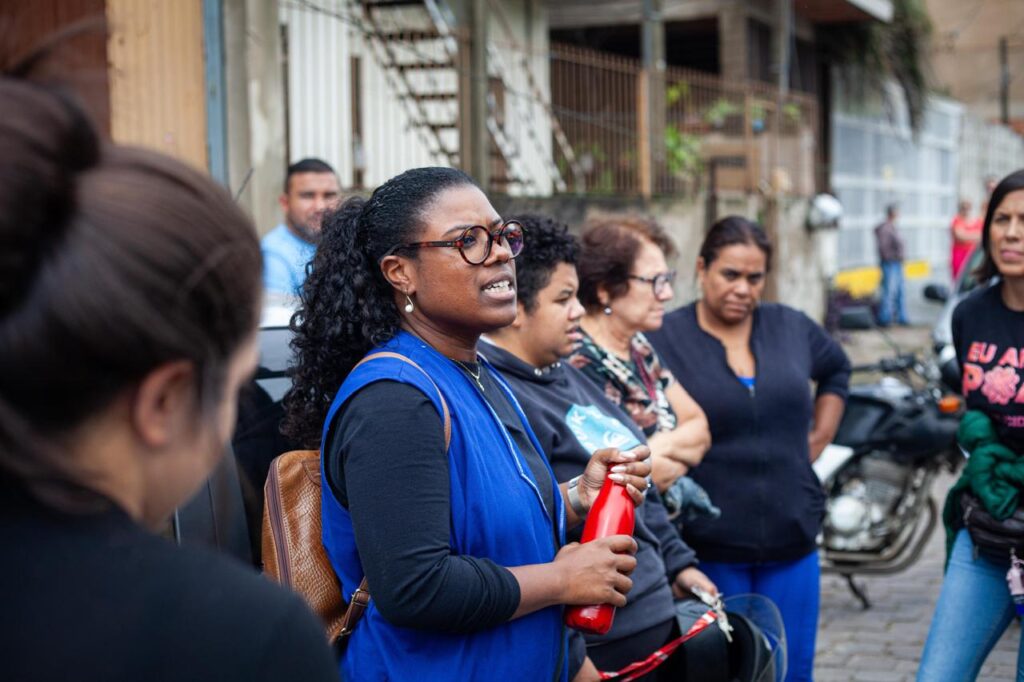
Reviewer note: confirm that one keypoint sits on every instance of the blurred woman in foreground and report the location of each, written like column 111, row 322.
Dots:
column 129, row 297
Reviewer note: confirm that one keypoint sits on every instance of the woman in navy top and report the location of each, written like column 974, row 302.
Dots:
column 749, row 366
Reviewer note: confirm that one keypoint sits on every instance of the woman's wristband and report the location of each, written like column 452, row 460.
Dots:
column 573, row 494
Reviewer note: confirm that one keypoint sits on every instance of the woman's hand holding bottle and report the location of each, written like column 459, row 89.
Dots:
column 629, row 468
column 597, row 572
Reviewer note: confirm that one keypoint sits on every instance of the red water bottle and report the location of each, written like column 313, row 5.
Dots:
column 612, row 514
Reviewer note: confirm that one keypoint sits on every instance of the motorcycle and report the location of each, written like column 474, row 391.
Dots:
column 896, row 435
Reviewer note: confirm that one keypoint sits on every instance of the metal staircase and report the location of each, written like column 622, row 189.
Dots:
column 415, row 43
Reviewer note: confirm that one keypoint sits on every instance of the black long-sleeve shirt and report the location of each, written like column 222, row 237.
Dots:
column 988, row 339
column 758, row 470
column 563, row 407
column 97, row 598
column 387, row 464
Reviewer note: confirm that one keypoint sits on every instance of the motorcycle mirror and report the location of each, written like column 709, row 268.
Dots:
column 950, row 404
column 937, row 293
column 856, row 317
column 859, row 317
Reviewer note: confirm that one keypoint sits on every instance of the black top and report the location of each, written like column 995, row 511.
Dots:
column 989, row 342
column 758, row 470
column 386, row 463
column 98, row 598
column 572, row 417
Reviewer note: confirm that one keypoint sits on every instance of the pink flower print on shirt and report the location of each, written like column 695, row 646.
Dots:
column 1000, row 385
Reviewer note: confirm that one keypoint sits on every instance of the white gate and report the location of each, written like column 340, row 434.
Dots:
column 876, row 161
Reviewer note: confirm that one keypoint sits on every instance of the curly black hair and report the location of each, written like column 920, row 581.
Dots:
column 550, row 243
column 347, row 307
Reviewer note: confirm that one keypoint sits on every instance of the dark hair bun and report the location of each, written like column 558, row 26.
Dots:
column 47, row 140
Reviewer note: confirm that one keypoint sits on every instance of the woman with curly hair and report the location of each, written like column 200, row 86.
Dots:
column 461, row 546
column 625, row 283
column 982, row 513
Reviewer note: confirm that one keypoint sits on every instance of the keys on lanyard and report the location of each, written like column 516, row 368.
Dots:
column 1015, row 581
column 715, row 604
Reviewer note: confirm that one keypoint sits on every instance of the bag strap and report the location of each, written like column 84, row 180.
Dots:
column 446, row 415
column 361, row 597
column 645, row 666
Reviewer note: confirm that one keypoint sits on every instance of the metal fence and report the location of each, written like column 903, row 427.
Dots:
column 877, row 161
column 742, row 133
column 378, row 92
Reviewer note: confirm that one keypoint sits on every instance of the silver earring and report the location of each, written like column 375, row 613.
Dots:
column 408, row 305
column 607, row 310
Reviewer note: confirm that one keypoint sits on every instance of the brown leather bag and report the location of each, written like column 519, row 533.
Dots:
column 293, row 550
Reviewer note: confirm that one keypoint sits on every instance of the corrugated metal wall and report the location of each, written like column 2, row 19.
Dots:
column 320, row 46
column 520, row 37
column 81, row 62
column 157, row 88
column 876, row 161
column 322, row 37
column 986, row 149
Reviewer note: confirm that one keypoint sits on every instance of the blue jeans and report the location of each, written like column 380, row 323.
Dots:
column 892, row 302
column 973, row 612
column 795, row 587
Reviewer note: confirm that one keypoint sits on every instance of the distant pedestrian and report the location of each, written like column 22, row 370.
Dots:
column 985, row 541
column 890, row 256
column 966, row 233
column 310, row 188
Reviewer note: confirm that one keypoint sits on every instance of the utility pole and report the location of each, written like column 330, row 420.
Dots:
column 1004, row 81
column 651, row 98
column 474, row 138
column 773, row 205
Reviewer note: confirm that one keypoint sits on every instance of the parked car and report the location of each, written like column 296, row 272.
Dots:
column 227, row 512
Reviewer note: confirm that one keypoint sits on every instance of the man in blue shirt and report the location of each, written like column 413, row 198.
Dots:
column 310, row 188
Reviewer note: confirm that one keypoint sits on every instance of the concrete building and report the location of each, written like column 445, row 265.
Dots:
column 977, row 58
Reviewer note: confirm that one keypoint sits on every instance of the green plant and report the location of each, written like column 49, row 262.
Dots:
column 677, row 92
column 720, row 110
column 757, row 111
column 872, row 54
column 682, row 153
column 792, row 112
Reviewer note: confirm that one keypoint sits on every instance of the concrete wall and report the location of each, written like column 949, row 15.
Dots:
column 800, row 264
column 255, row 107
column 965, row 54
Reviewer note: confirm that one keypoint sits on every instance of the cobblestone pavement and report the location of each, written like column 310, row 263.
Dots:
column 885, row 642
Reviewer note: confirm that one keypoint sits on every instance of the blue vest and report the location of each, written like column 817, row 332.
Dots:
column 497, row 513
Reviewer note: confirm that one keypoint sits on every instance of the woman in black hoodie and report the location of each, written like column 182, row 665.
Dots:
column 749, row 366
column 572, row 418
